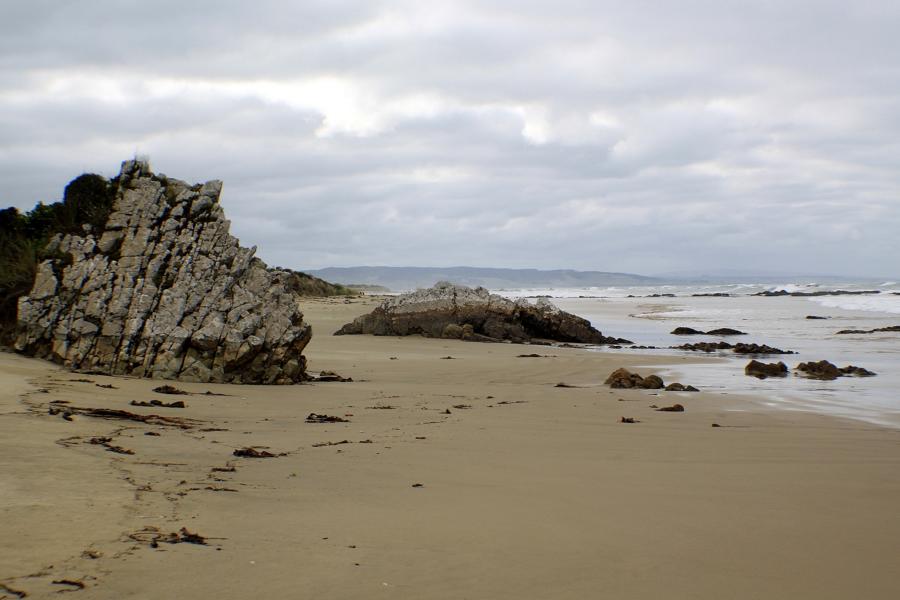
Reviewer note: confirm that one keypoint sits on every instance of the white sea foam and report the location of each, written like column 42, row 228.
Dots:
column 794, row 287
column 700, row 313
column 884, row 303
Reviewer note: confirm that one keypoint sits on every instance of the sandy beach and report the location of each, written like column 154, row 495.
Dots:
column 462, row 472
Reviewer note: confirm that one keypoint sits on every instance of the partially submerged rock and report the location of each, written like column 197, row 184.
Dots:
column 739, row 348
column 457, row 312
column 625, row 379
column 855, row 371
column 652, row 382
column 725, row 331
column 762, row 370
column 686, row 331
column 759, row 349
column 680, row 387
column 822, row 369
column 163, row 290
column 890, row 329
column 803, row 294
column 827, row 371
column 719, row 331
column 704, row 346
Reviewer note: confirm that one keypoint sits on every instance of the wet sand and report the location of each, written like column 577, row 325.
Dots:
column 527, row 490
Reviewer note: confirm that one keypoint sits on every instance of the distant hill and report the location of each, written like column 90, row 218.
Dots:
column 401, row 279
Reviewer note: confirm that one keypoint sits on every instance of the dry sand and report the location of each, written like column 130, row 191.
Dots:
column 529, row 491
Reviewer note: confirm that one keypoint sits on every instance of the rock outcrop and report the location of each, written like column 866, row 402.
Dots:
column 163, row 290
column 759, row 349
column 891, row 329
column 704, row 346
column 458, row 312
column 739, row 348
column 827, row 371
column 680, row 387
column 800, row 294
column 687, row 331
column 762, row 370
column 624, row 379
column 719, row 331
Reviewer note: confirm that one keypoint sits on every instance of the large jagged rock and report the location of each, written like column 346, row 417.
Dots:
column 164, row 291
column 459, row 312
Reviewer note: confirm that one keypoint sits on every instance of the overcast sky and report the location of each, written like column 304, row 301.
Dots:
column 640, row 136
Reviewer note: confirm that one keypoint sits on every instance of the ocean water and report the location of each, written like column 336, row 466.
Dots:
column 777, row 321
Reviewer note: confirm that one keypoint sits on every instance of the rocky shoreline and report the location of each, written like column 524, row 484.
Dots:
column 451, row 311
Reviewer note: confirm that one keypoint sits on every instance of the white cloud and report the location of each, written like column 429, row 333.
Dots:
column 639, row 136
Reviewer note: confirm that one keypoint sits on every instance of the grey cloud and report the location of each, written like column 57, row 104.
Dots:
column 643, row 136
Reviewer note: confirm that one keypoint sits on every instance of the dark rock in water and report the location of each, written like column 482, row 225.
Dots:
column 857, row 371
column 725, row 331
column 704, row 346
column 687, row 331
column 816, row 317
column 720, row 331
column 673, row 408
column 799, row 294
column 680, row 387
column 827, row 371
column 712, row 295
column 459, row 312
column 759, row 349
column 890, row 329
column 762, row 370
column 162, row 290
column 625, row 379
column 652, row 382
column 740, row 348
column 822, row 369
column 661, row 296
